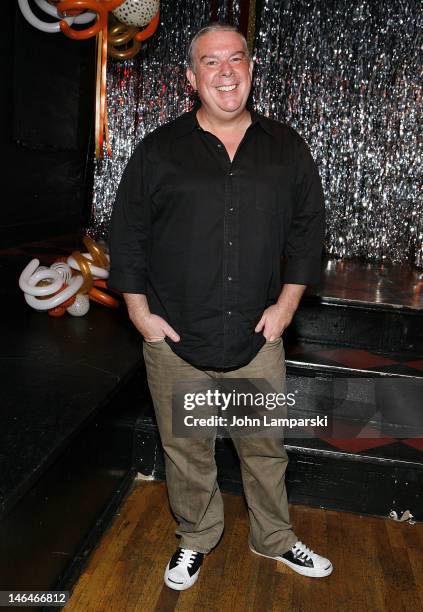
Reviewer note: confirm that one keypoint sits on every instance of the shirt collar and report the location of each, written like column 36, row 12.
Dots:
column 188, row 123
column 264, row 122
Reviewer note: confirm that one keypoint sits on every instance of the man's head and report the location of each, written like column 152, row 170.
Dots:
column 220, row 70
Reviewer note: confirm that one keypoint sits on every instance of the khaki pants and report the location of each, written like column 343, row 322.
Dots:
column 191, row 473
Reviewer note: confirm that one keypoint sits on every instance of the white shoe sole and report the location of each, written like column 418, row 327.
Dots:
column 181, row 586
column 304, row 571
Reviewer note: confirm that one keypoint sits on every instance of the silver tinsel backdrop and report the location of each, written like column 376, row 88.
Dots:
column 345, row 75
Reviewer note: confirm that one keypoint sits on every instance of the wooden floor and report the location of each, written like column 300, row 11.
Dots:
column 378, row 564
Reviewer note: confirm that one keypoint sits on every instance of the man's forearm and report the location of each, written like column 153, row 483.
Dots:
column 290, row 297
column 137, row 305
column 152, row 327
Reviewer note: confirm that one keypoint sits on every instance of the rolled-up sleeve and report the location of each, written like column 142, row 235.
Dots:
column 305, row 238
column 130, row 228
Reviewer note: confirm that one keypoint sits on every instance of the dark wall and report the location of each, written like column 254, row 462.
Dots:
column 46, row 118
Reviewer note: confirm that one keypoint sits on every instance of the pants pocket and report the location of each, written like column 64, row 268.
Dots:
column 154, row 342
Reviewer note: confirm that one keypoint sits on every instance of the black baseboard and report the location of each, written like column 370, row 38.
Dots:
column 322, row 478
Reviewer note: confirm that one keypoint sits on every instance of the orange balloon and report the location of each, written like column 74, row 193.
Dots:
column 101, row 7
column 103, row 298
column 57, row 311
column 99, row 282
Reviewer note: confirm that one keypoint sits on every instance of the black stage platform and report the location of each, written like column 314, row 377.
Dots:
column 77, row 422
column 66, row 429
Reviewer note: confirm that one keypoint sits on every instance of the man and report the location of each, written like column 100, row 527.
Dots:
column 207, row 207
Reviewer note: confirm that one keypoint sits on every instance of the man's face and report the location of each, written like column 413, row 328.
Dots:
column 222, row 74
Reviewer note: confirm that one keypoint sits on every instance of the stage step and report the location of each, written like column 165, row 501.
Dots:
column 348, row 323
column 373, row 475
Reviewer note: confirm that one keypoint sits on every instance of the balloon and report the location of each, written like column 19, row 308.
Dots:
column 101, row 7
column 57, row 311
column 137, row 12
column 101, row 297
column 52, row 27
column 29, row 278
column 63, row 269
column 80, row 307
column 44, row 26
column 121, row 42
column 58, row 289
column 99, row 256
column 78, row 17
column 54, row 2
column 56, row 300
column 150, row 29
column 95, row 270
column 84, row 267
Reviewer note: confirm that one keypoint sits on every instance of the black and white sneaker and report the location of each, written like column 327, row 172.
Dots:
column 303, row 561
column 183, row 569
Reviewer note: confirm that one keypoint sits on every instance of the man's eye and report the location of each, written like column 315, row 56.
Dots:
column 237, row 59
column 211, row 63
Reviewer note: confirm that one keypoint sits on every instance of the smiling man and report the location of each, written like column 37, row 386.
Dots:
column 208, row 207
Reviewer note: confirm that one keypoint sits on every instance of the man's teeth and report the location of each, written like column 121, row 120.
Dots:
column 226, row 87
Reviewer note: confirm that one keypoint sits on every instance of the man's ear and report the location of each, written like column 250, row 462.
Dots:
column 250, row 69
column 191, row 78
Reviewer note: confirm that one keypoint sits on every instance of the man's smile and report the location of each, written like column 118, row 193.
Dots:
column 227, row 87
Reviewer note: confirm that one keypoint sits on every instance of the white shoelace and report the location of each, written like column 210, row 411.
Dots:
column 189, row 556
column 303, row 551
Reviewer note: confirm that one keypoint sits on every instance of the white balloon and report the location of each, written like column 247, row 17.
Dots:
column 80, row 307
column 48, row 8
column 136, row 12
column 63, row 269
column 50, row 27
column 85, row 17
column 95, row 270
column 30, row 276
column 44, row 26
column 45, row 304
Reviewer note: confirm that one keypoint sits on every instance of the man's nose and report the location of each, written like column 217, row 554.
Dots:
column 226, row 68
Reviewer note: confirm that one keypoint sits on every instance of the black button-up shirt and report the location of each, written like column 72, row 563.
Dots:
column 204, row 238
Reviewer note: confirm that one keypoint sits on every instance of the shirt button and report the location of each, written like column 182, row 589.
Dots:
column 231, row 209
column 229, row 278
column 229, row 312
column 230, row 243
column 231, row 173
column 219, row 145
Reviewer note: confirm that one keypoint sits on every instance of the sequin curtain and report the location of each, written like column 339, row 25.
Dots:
column 347, row 75
column 147, row 91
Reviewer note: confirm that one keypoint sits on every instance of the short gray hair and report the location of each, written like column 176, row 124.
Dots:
column 216, row 26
